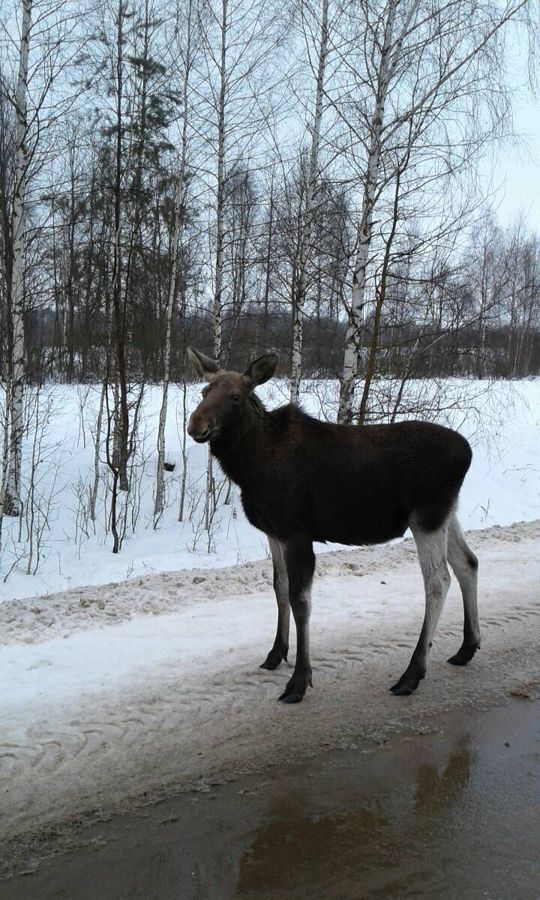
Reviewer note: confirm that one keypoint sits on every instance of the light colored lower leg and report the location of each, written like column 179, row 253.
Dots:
column 465, row 565
column 432, row 549
column 302, row 611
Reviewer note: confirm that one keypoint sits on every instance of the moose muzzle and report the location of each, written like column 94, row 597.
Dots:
column 199, row 429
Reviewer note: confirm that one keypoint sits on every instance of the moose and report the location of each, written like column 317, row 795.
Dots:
column 304, row 480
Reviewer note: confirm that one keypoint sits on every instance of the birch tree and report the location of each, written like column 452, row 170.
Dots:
column 298, row 286
column 238, row 78
column 16, row 370
column 388, row 57
column 179, row 220
column 422, row 69
column 30, row 136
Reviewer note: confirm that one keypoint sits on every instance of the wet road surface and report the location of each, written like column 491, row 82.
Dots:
column 454, row 813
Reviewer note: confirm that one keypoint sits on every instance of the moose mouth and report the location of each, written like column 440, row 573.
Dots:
column 204, row 436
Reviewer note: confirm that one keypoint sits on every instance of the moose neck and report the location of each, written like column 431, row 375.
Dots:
column 241, row 450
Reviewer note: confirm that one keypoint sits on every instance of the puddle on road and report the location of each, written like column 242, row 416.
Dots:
column 453, row 814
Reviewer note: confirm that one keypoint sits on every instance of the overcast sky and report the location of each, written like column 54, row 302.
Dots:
column 515, row 171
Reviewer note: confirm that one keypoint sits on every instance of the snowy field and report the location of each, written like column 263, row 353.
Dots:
column 501, row 419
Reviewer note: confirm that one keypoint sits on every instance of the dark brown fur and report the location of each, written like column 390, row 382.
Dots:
column 348, row 485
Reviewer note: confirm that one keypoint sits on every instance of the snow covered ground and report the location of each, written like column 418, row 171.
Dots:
column 502, row 421
column 110, row 693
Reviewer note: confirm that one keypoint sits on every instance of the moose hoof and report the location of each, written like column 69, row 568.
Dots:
column 296, row 688
column 463, row 656
column 273, row 660
column 408, row 683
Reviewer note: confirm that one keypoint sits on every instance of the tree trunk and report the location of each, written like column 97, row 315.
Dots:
column 12, row 495
column 121, row 412
column 353, row 337
column 299, row 283
column 97, row 447
column 179, row 220
column 374, row 345
column 268, row 261
column 220, row 190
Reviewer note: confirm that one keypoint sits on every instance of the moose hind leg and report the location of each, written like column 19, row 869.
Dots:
column 280, row 648
column 431, row 547
column 300, row 561
column 465, row 566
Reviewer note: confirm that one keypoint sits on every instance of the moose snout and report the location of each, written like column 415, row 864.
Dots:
column 198, row 428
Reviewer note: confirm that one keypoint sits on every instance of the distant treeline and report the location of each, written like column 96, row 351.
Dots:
column 500, row 352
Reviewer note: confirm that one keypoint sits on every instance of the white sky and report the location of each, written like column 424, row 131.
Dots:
column 514, row 172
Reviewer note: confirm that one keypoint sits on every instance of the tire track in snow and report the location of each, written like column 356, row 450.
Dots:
column 182, row 727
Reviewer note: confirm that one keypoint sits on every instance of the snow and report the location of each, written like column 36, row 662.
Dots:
column 107, row 699
column 501, row 419
column 143, row 676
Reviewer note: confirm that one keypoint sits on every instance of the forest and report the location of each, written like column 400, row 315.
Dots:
column 243, row 176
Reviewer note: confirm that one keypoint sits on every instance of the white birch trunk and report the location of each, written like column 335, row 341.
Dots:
column 5, row 352
column 482, row 315
column 266, row 296
column 179, row 220
column 183, row 452
column 299, row 283
column 220, row 188
column 97, row 449
column 121, row 412
column 12, row 496
column 353, row 337
column 5, row 453
column 217, row 311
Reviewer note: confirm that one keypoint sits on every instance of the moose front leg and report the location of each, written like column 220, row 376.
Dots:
column 280, row 648
column 300, row 562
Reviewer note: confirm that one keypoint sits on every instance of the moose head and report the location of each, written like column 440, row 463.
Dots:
column 226, row 396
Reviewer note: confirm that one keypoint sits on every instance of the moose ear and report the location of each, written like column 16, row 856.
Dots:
column 261, row 369
column 202, row 365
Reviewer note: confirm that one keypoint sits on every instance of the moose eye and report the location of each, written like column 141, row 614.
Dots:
column 236, row 398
